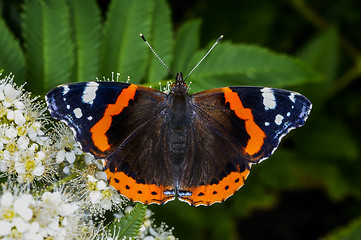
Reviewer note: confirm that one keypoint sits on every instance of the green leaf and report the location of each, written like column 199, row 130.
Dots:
column 322, row 53
column 128, row 226
column 251, row 197
column 161, row 40
column 351, row 231
column 86, row 22
column 186, row 44
column 123, row 50
column 49, row 49
column 11, row 56
column 290, row 170
column 240, row 64
column 339, row 142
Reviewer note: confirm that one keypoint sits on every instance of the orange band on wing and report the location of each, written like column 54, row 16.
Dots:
column 102, row 126
column 256, row 134
column 139, row 192
column 209, row 194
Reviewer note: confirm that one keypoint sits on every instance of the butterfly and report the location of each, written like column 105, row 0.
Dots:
column 157, row 146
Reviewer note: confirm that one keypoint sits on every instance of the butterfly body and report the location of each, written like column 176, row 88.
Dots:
column 198, row 148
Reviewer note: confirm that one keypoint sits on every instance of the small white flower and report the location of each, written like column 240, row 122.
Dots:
column 11, row 133
column 5, row 227
column 23, row 142
column 63, row 155
column 10, row 115
column 19, row 105
column 20, row 224
column 101, row 175
column 94, row 197
column 19, row 118
column 29, row 164
column 10, row 94
column 101, row 185
column 22, row 206
column 6, row 200
column 68, row 209
column 67, row 147
column 34, row 227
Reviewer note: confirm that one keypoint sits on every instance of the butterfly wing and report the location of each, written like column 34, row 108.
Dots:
column 232, row 128
column 118, row 122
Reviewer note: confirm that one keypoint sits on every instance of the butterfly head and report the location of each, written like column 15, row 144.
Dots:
column 179, row 87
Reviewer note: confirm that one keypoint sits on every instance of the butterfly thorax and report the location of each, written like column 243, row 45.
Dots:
column 179, row 115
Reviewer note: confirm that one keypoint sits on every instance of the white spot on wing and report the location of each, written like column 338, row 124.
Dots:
column 269, row 100
column 89, row 93
column 266, row 124
column 288, row 114
column 169, row 192
column 65, row 89
column 78, row 113
column 90, row 118
column 292, row 97
column 279, row 119
column 68, row 106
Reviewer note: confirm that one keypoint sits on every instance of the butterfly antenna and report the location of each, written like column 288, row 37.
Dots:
column 145, row 40
column 218, row 40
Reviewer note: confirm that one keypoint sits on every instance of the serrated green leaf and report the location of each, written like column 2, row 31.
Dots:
column 161, row 40
column 123, row 50
column 186, row 44
column 49, row 49
column 240, row 64
column 129, row 225
column 11, row 56
column 86, row 22
column 351, row 231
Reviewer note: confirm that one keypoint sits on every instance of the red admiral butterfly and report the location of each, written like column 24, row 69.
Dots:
column 157, row 146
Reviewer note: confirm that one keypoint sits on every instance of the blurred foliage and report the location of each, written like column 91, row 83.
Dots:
column 311, row 187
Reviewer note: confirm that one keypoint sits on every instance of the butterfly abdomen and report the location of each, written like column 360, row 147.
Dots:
column 178, row 127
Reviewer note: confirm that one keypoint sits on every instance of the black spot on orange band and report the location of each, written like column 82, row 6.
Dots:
column 139, row 192
column 212, row 193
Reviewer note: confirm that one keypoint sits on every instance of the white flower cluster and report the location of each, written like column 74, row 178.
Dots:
column 100, row 195
column 24, row 148
column 66, row 145
column 23, row 216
